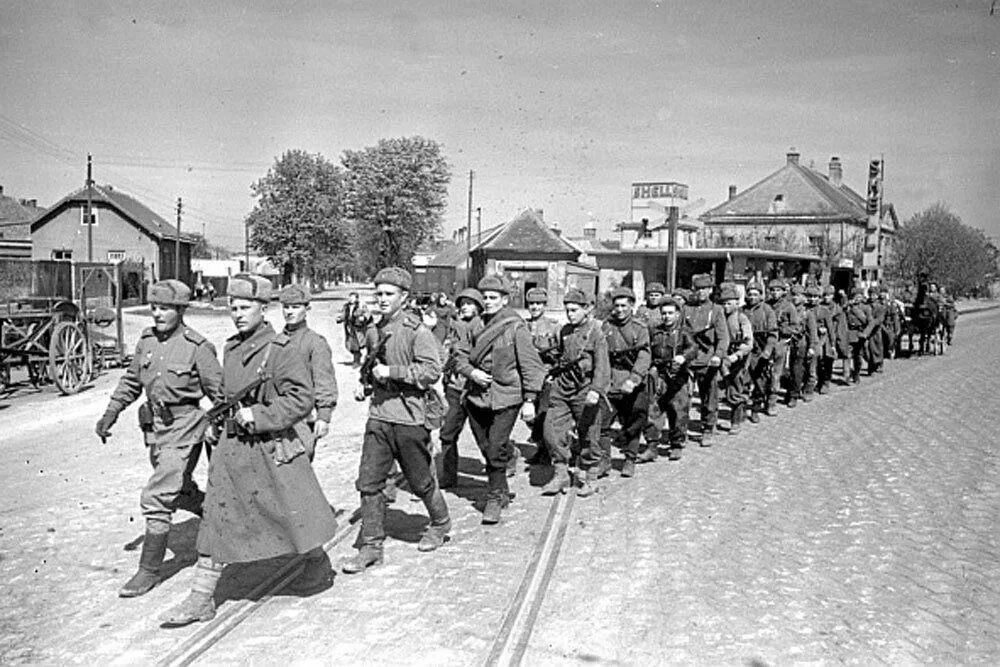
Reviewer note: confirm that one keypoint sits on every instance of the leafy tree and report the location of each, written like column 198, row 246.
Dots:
column 937, row 243
column 203, row 249
column 395, row 195
column 297, row 221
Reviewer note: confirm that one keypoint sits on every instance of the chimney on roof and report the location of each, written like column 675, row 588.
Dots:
column 836, row 171
column 1, row 191
column 732, row 192
column 792, row 156
column 590, row 231
column 540, row 213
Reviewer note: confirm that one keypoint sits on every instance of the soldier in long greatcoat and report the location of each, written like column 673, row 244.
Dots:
column 263, row 499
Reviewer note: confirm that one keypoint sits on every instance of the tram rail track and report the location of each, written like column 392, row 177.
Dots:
column 507, row 647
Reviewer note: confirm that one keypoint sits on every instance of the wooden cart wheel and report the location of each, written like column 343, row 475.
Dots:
column 70, row 362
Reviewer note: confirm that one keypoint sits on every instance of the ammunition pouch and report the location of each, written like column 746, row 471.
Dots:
column 146, row 418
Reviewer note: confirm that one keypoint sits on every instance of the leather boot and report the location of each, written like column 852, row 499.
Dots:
column 604, row 466
column 587, row 483
column 512, row 456
column 772, row 406
column 560, row 481
column 437, row 510
column 372, row 534
column 755, row 415
column 650, row 454
column 449, row 465
column 708, row 436
column 317, row 574
column 628, row 468
column 736, row 422
column 497, row 499
column 154, row 547
column 675, row 452
column 197, row 606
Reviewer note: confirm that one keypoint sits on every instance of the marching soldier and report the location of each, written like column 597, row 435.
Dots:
column 649, row 312
column 789, row 327
column 735, row 371
column 580, row 380
column 505, row 376
column 672, row 348
column 708, row 328
column 949, row 314
column 859, row 328
column 355, row 318
column 825, row 346
column 761, row 359
column 682, row 297
column 545, row 336
column 876, row 351
column 263, row 499
column 893, row 326
column 628, row 355
column 798, row 348
column 318, row 358
column 463, row 328
column 837, row 301
column 403, row 367
column 175, row 366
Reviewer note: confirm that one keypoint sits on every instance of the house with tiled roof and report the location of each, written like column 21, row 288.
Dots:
column 798, row 209
column 124, row 229
column 16, row 216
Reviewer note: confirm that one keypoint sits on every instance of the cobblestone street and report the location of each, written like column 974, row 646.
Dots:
column 861, row 527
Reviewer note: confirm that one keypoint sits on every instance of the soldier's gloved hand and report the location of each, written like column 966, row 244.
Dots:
column 528, row 412
column 732, row 358
column 320, row 429
column 592, row 397
column 715, row 361
column 104, row 424
column 628, row 386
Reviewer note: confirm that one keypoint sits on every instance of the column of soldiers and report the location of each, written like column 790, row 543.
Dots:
column 275, row 393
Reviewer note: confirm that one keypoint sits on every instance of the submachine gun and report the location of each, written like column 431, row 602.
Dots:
column 366, row 375
column 625, row 359
column 224, row 413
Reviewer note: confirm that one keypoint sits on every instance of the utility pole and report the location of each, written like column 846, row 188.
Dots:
column 673, row 216
column 246, row 246
column 90, row 210
column 479, row 222
column 468, row 234
column 177, row 243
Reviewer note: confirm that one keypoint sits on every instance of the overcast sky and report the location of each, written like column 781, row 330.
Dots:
column 555, row 105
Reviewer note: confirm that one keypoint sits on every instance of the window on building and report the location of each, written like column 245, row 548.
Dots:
column 115, row 256
column 93, row 215
column 63, row 255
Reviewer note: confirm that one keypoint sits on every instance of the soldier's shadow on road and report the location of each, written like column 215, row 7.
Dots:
column 404, row 527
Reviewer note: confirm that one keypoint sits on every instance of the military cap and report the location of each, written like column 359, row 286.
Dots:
column 668, row 301
column 682, row 293
column 727, row 291
column 829, row 289
column 754, row 285
column 494, row 282
column 797, row 289
column 701, row 281
column 814, row 290
column 656, row 287
column 622, row 292
column 394, row 275
column 537, row 295
column 250, row 286
column 777, row 283
column 472, row 294
column 575, row 295
column 294, row 294
column 170, row 293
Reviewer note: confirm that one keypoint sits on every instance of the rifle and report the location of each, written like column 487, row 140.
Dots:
column 366, row 371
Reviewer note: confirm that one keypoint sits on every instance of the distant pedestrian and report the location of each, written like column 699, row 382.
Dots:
column 355, row 318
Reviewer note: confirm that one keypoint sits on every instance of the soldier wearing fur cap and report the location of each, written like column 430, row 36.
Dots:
column 406, row 364
column 789, row 327
column 316, row 354
column 735, row 371
column 175, row 366
column 505, row 375
column 461, row 329
column 859, row 328
column 580, row 380
column 708, row 327
column 761, row 358
column 672, row 349
column 545, row 337
column 876, row 350
column 263, row 499
column 627, row 399
column 649, row 312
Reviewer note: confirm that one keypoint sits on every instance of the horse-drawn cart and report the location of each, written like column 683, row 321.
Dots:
column 53, row 337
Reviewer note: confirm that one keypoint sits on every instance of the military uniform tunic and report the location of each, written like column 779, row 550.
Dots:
column 175, row 372
column 263, row 499
column 789, row 327
column 545, row 337
column 669, row 382
column 629, row 358
column 711, row 336
column 765, row 337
